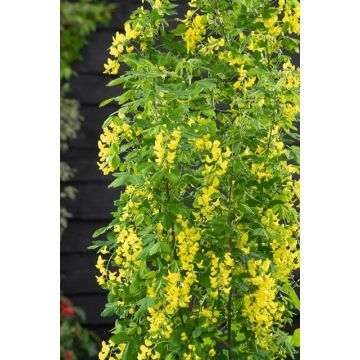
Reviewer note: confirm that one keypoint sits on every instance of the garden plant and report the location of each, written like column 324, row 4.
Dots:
column 199, row 259
column 75, row 340
column 77, row 20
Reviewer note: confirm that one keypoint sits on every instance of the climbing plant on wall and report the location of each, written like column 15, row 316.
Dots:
column 198, row 261
column 78, row 19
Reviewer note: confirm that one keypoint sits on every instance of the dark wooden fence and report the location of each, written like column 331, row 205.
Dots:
column 94, row 201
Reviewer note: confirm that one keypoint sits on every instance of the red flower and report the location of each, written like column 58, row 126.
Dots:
column 69, row 355
column 66, row 307
column 67, row 310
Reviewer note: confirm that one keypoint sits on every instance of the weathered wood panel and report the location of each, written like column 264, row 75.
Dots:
column 84, row 161
column 91, row 127
column 95, row 304
column 94, row 201
column 78, row 275
column 78, row 236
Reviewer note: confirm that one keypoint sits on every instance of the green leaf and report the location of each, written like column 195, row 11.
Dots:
column 99, row 231
column 157, row 177
column 139, row 219
column 109, row 310
column 293, row 296
column 154, row 249
column 130, row 94
column 123, row 178
column 179, row 30
column 131, row 350
column 203, row 84
column 115, row 161
column 144, row 304
column 120, row 338
column 289, row 349
column 169, row 357
column 107, row 101
column 294, row 339
column 165, row 247
column 116, row 82
column 240, row 336
column 170, row 44
column 196, row 333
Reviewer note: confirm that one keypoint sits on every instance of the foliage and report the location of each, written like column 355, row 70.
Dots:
column 74, row 339
column 70, row 122
column 199, row 257
column 77, row 20
column 70, row 118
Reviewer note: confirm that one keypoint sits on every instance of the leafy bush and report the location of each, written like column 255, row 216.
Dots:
column 74, row 339
column 199, row 257
column 78, row 19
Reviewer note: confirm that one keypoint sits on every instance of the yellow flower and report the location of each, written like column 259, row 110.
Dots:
column 148, row 342
column 170, row 157
column 261, row 307
column 212, row 352
column 215, row 44
column 195, row 33
column 269, row 23
column 116, row 50
column 118, row 39
column 175, row 139
column 151, row 292
column 121, row 115
column 130, row 33
column 249, row 83
column 112, row 67
column 192, row 3
column 104, row 352
column 245, row 250
column 100, row 264
column 104, row 250
column 200, row 265
column 157, row 4
column 100, row 280
column 155, row 356
column 158, row 148
column 228, row 260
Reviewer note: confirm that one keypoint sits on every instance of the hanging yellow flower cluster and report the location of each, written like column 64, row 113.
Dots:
column 200, row 259
column 119, row 44
column 161, row 149
column 261, row 307
column 220, row 275
column 109, row 138
column 195, row 30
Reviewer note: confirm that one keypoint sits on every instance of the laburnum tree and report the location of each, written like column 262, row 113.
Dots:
column 199, row 258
